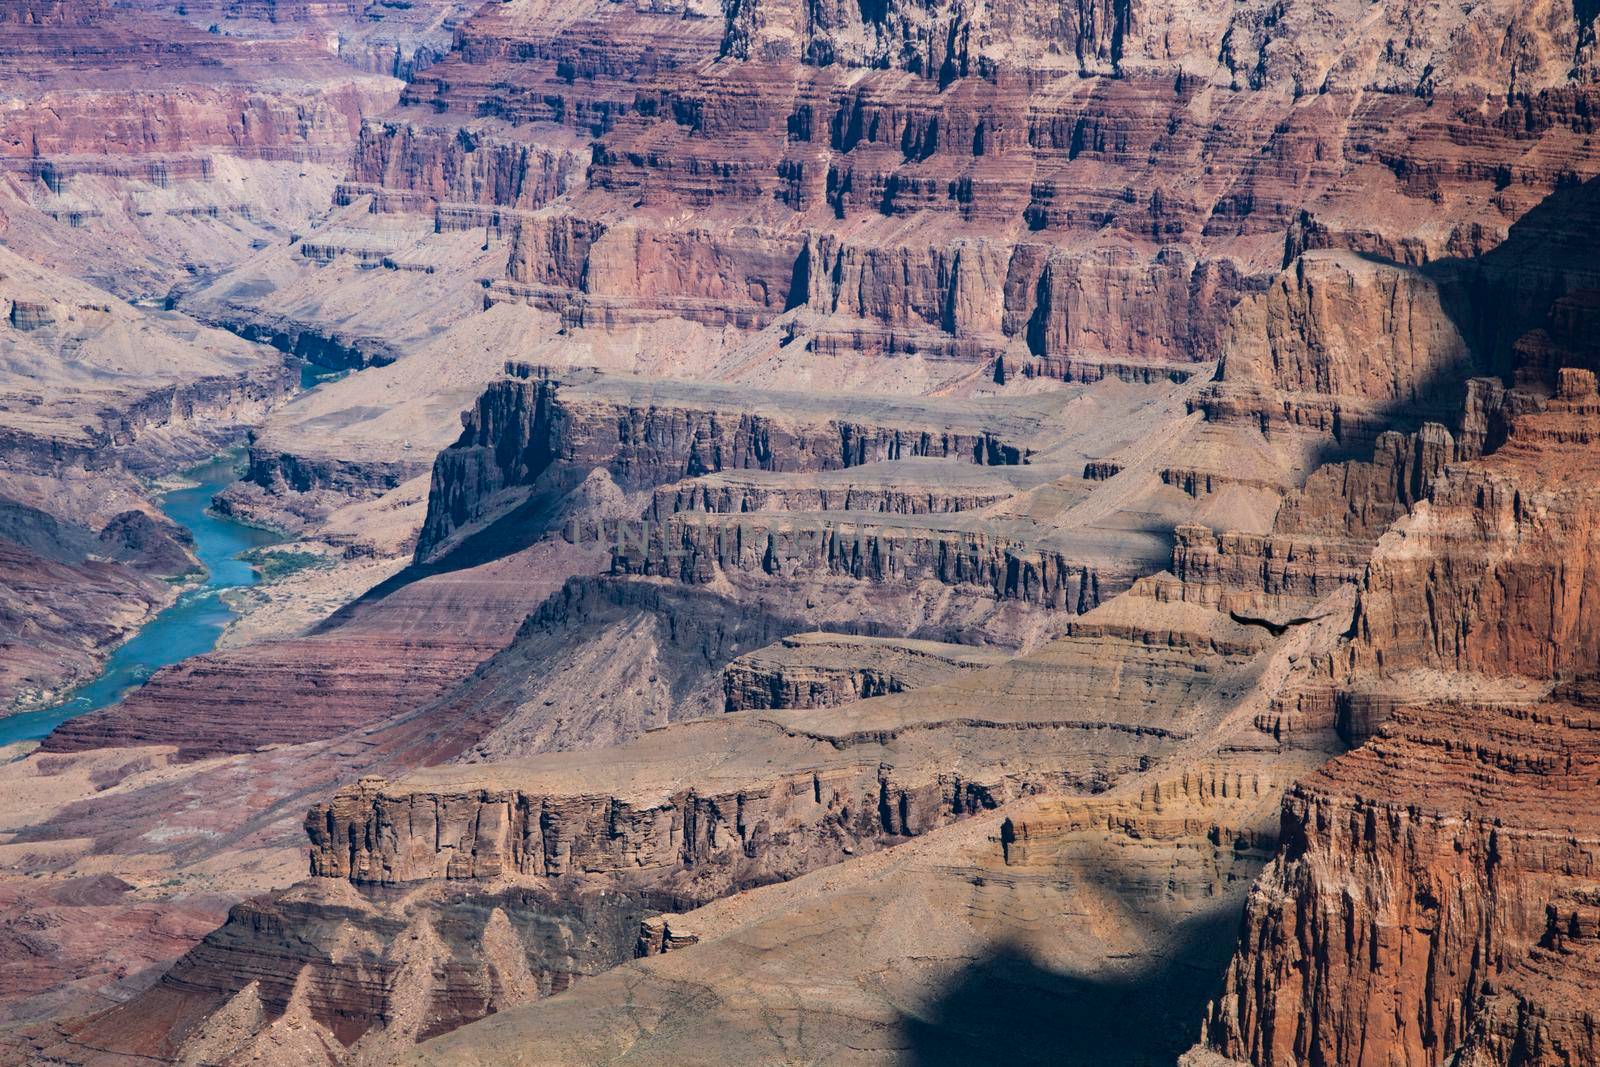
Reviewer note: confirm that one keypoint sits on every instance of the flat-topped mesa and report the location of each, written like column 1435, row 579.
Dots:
column 819, row 670
column 529, row 433
column 376, row 969
column 1173, row 844
column 701, row 841
column 697, row 811
column 694, row 845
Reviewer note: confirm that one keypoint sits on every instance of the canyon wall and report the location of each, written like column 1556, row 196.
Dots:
column 1449, row 853
column 1101, row 355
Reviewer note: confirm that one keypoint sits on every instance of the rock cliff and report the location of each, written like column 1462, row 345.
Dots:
column 1448, row 853
column 974, row 487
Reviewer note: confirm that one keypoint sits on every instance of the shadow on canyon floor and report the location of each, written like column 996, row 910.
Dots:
column 1007, row 1008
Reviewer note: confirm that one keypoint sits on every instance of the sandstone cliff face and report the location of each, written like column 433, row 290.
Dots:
column 1098, row 185
column 318, row 126
column 1452, row 851
column 851, row 196
column 944, row 41
column 1006, row 569
column 526, row 434
column 1338, row 328
column 164, row 87
column 1522, row 612
column 706, row 845
column 453, row 170
column 1416, row 874
column 1539, row 1010
column 900, row 489
column 999, row 189
column 698, row 811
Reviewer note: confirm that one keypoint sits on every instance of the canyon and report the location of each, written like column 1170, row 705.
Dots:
column 914, row 531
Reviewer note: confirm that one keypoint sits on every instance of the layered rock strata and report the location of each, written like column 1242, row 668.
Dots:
column 752, row 192
column 1461, row 824
column 903, row 200
column 138, row 150
column 823, row 670
column 698, row 811
column 654, row 433
column 397, row 649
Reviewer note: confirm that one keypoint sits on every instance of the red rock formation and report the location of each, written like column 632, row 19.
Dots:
column 1020, row 190
column 1065, row 221
column 532, row 432
column 138, row 64
column 1447, row 854
column 1540, row 1009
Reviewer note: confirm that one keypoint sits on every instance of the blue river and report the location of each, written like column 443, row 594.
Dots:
column 190, row 626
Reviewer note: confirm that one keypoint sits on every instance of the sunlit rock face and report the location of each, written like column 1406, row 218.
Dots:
column 850, row 532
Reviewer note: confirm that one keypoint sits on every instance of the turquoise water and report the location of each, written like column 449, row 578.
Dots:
column 190, row 626
column 315, row 374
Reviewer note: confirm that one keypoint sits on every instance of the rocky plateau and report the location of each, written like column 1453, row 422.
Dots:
column 922, row 531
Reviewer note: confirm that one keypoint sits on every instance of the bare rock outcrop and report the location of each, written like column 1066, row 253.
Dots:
column 1006, row 241
column 530, row 431
column 821, row 670
column 1447, row 853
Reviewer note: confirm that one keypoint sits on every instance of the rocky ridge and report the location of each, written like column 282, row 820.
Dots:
column 1465, row 808
column 1054, row 223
